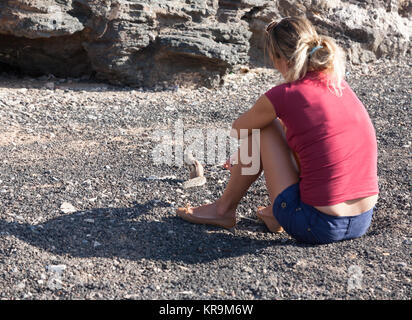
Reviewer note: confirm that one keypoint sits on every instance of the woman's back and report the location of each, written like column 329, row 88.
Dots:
column 333, row 137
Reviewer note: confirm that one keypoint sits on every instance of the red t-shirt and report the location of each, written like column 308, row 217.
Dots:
column 333, row 137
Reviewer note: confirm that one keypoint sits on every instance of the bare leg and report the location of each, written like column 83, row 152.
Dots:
column 280, row 172
column 223, row 211
column 280, row 169
column 240, row 182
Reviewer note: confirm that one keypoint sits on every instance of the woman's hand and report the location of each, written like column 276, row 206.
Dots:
column 228, row 165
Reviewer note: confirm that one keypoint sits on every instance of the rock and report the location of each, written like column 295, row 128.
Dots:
column 247, row 269
column 185, row 292
column 407, row 241
column 59, row 268
column 182, row 42
column 195, row 182
column 49, row 85
column 21, row 285
column 367, row 30
column 38, row 19
column 67, row 207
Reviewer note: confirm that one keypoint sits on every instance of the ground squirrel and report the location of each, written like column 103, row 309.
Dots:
column 196, row 177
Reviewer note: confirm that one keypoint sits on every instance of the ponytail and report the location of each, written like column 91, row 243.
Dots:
column 296, row 40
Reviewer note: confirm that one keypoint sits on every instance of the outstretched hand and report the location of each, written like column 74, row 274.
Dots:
column 227, row 165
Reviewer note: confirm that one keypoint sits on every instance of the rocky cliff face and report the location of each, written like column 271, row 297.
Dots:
column 147, row 42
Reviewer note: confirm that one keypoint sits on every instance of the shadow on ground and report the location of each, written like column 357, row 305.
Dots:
column 133, row 233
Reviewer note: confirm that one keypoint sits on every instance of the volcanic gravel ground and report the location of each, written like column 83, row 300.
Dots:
column 86, row 213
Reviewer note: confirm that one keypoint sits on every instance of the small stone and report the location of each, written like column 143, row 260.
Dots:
column 67, row 207
column 195, row 182
column 407, row 241
column 20, row 218
column 89, row 220
column 27, row 295
column 21, row 285
column 96, row 244
column 59, row 268
column 50, row 85
column 247, row 269
column 301, row 263
column 186, row 292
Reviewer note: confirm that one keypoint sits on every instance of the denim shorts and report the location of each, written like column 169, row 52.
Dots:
column 307, row 224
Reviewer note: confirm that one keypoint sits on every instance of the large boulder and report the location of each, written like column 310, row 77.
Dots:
column 147, row 42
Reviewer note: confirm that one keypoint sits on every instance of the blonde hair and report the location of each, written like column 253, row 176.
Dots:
column 296, row 40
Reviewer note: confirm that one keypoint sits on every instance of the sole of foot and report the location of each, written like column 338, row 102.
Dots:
column 192, row 215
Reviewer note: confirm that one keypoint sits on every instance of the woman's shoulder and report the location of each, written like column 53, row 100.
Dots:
column 313, row 81
column 277, row 91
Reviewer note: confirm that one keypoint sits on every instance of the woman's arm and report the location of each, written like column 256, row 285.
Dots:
column 257, row 117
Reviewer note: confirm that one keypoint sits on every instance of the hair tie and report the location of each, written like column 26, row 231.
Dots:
column 314, row 50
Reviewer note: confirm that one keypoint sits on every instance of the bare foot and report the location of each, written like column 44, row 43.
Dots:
column 211, row 214
column 266, row 215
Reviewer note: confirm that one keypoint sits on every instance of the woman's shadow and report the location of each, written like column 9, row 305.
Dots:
column 134, row 233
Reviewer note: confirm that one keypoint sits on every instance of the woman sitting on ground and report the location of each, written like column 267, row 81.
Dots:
column 318, row 147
